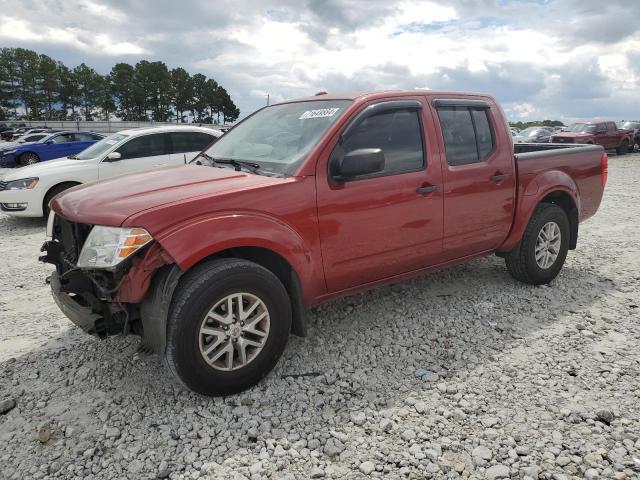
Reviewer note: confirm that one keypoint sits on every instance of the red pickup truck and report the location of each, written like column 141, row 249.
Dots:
column 597, row 132
column 215, row 263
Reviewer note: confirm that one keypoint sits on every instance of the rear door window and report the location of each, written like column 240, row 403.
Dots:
column 146, row 146
column 467, row 133
column 184, row 142
column 83, row 137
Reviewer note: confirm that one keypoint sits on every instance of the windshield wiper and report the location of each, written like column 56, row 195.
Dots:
column 238, row 164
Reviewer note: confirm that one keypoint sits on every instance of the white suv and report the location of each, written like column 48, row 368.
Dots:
column 27, row 191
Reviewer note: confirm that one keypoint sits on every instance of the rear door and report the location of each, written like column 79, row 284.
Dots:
column 144, row 152
column 479, row 177
column 186, row 145
column 614, row 137
column 390, row 223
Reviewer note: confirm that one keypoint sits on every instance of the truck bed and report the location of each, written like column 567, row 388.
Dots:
column 535, row 163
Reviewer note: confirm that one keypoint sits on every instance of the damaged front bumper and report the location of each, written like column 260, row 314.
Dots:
column 82, row 316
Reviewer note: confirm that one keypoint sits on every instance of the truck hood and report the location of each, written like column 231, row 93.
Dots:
column 43, row 168
column 112, row 201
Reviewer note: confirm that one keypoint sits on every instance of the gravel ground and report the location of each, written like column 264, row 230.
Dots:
column 462, row 374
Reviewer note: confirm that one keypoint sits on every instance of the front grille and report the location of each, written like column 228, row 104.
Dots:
column 3, row 185
column 71, row 236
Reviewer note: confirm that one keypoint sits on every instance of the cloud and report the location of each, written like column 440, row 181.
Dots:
column 555, row 58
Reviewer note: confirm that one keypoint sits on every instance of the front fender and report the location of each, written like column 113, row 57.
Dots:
column 534, row 192
column 189, row 243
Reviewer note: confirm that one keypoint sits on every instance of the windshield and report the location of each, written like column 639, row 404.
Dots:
column 100, row 147
column 582, row 128
column 279, row 137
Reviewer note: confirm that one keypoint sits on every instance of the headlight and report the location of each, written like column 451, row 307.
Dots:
column 106, row 247
column 22, row 184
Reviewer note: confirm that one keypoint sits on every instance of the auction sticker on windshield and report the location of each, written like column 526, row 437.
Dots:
column 320, row 113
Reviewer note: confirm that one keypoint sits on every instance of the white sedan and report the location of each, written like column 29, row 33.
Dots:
column 27, row 191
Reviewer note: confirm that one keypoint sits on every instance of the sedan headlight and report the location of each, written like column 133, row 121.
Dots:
column 22, row 184
column 106, row 247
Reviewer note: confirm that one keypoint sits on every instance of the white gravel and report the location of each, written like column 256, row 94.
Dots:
column 462, row 374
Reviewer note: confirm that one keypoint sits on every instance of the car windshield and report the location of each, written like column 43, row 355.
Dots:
column 100, row 147
column 582, row 128
column 279, row 138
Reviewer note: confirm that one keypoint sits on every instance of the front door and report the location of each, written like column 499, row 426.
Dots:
column 479, row 196
column 145, row 152
column 388, row 223
column 59, row 147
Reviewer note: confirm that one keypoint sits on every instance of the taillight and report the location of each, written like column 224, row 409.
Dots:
column 604, row 168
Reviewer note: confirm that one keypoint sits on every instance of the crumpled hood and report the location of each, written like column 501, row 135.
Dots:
column 111, row 202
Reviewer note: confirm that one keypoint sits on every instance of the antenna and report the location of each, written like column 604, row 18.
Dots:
column 185, row 158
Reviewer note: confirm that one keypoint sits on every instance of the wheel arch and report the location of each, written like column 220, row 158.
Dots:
column 562, row 199
column 560, row 190
column 45, row 199
column 281, row 268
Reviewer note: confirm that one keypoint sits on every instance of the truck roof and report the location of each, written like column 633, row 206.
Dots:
column 375, row 94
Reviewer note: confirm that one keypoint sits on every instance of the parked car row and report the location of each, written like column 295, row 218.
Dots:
column 621, row 138
column 27, row 191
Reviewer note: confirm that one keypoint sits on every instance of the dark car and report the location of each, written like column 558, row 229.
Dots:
column 56, row 145
column 632, row 125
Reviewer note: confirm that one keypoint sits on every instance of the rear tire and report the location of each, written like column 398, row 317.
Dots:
column 623, row 148
column 208, row 315
column 539, row 256
column 28, row 159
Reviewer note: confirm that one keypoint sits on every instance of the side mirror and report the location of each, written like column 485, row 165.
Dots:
column 363, row 161
column 113, row 157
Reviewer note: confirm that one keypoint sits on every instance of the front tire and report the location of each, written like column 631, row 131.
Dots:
column 28, row 159
column 228, row 325
column 541, row 253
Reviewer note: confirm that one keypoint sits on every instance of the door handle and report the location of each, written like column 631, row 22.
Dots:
column 427, row 189
column 498, row 177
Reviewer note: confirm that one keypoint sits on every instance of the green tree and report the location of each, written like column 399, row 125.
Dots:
column 181, row 92
column 27, row 92
column 122, row 86
column 104, row 97
column 199, row 97
column 8, row 83
column 88, row 82
column 48, row 84
column 68, row 96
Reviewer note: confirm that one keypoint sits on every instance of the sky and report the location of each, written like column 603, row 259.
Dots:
column 556, row 59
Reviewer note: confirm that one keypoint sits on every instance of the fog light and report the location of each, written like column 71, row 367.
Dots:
column 14, row 206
